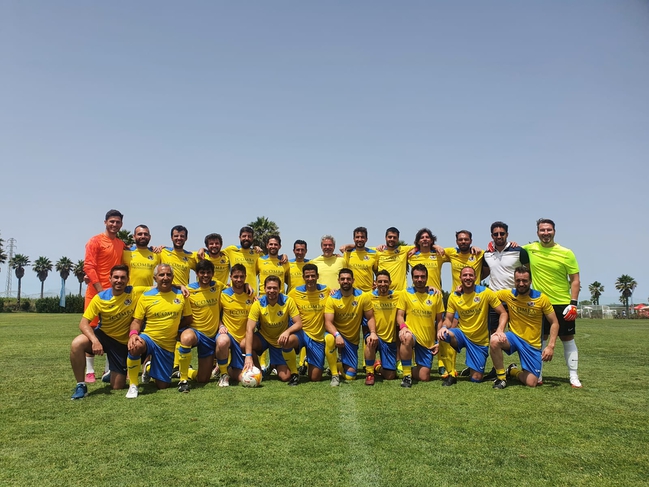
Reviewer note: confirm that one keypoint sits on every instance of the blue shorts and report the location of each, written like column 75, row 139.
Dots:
column 115, row 351
column 423, row 355
column 476, row 355
column 530, row 357
column 162, row 361
column 276, row 357
column 388, row 352
column 236, row 355
column 206, row 346
column 314, row 349
column 349, row 354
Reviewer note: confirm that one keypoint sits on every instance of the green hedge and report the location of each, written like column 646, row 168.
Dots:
column 73, row 304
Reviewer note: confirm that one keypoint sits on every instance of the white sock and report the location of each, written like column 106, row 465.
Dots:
column 90, row 365
column 572, row 357
column 106, row 369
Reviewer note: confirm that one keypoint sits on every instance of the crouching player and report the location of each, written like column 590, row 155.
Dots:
column 310, row 299
column 205, row 300
column 235, row 308
column 114, row 308
column 471, row 305
column 164, row 309
column 526, row 310
column 273, row 312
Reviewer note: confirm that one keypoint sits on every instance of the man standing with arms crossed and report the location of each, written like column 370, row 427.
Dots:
column 555, row 272
column 103, row 252
column 528, row 309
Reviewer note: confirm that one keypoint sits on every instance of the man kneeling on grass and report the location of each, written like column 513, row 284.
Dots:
column 165, row 309
column 114, row 307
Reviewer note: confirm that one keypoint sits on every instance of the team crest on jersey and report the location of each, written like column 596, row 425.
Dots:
column 476, row 299
column 150, row 257
column 184, row 259
column 428, row 302
column 248, row 301
column 354, row 303
column 127, row 302
column 530, row 303
column 321, row 295
column 471, row 258
column 367, row 257
column 432, row 257
column 176, row 301
column 212, row 289
column 280, row 313
column 396, row 251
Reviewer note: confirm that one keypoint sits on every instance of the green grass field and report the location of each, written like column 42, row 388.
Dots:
column 316, row 435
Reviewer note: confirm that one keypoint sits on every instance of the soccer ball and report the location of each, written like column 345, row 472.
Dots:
column 251, row 377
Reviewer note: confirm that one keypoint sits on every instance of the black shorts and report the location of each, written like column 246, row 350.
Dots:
column 494, row 317
column 115, row 352
column 566, row 328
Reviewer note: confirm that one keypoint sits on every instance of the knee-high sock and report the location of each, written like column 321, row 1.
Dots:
column 132, row 369
column 448, row 356
column 572, row 356
column 302, row 356
column 176, row 356
column 90, row 365
column 264, row 359
column 331, row 353
column 290, row 357
column 184, row 359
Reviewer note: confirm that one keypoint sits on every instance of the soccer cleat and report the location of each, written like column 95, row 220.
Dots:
column 146, row 372
column 449, row 381
column 575, row 382
column 106, row 377
column 224, row 380
column 90, row 377
column 335, row 381
column 216, row 373
column 491, row 375
column 265, row 372
column 406, row 381
column 175, row 373
column 302, row 370
column 80, row 392
column 132, row 392
column 500, row 384
column 466, row 372
column 183, row 386
column 508, row 372
column 442, row 372
column 294, row 380
column 369, row 380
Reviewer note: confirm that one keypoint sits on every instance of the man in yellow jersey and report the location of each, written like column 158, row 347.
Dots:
column 181, row 261
column 425, row 254
column 384, row 302
column 528, row 308
column 310, row 299
column 471, row 305
column 205, row 300
column 214, row 244
column 394, row 259
column 245, row 254
column 344, row 313
column 295, row 265
column 270, row 264
column 235, row 308
column 278, row 319
column 422, row 307
column 328, row 263
column 114, row 307
column 362, row 260
column 555, row 272
column 165, row 309
column 140, row 258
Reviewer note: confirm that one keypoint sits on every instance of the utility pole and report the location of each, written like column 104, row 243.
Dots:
column 12, row 245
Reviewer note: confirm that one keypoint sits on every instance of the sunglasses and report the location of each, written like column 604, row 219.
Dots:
column 498, row 234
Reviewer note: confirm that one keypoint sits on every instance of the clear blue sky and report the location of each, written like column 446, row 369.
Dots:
column 324, row 116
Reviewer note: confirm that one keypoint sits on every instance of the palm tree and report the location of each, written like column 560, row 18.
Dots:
column 18, row 263
column 42, row 267
column 626, row 285
column 596, row 289
column 79, row 273
column 126, row 237
column 263, row 228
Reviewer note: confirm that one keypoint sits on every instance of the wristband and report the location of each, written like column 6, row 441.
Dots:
column 337, row 334
column 403, row 325
column 133, row 332
column 247, row 355
column 573, row 302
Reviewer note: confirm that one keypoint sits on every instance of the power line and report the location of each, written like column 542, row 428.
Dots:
column 12, row 245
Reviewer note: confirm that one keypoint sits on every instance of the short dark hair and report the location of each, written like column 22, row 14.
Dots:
column 246, row 229
column 464, row 231
column 419, row 267
column 392, row 230
column 272, row 279
column 362, row 230
column 299, row 242
column 468, row 267
column 204, row 265
column 120, row 267
column 274, row 237
column 383, row 272
column 114, row 213
column 310, row 267
column 544, row 220
column 238, row 267
column 521, row 269
column 140, row 226
column 345, row 270
column 421, row 232
column 499, row 225
column 179, row 228
column 213, row 236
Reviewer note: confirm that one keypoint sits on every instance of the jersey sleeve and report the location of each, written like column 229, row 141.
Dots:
column 92, row 311
column 367, row 302
column 291, row 307
column 329, row 305
column 524, row 257
column 547, row 306
column 494, row 301
column 450, row 305
column 402, row 304
column 187, row 308
column 90, row 262
column 140, row 310
column 571, row 263
column 254, row 311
